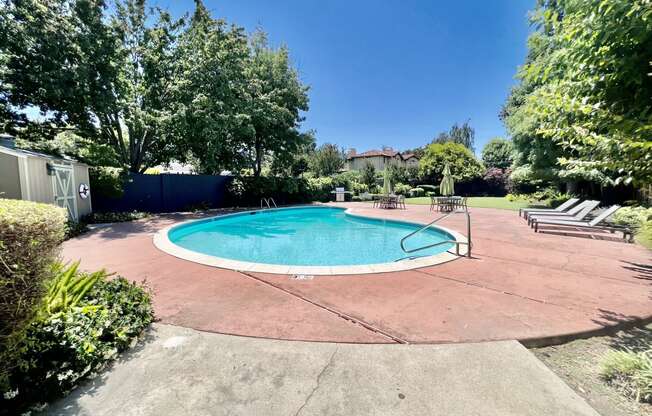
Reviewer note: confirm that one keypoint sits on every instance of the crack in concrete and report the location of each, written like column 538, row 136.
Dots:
column 564, row 267
column 318, row 383
column 339, row 314
column 491, row 289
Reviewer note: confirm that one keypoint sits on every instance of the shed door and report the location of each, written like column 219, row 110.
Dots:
column 64, row 189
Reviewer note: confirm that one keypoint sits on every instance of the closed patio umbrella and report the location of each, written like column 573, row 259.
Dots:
column 387, row 183
column 447, row 185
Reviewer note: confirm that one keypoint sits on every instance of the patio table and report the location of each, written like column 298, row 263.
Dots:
column 446, row 203
column 387, row 201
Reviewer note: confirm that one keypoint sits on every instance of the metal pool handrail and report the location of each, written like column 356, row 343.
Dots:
column 457, row 243
column 267, row 202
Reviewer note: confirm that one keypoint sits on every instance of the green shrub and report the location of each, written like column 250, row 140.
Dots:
column 417, row 192
column 429, row 188
column 59, row 349
column 632, row 216
column 644, row 235
column 347, row 179
column 358, row 188
column 401, row 189
column 107, row 217
column 75, row 228
column 30, row 234
column 107, row 181
column 548, row 196
column 248, row 190
column 320, row 188
column 68, row 288
column 631, row 372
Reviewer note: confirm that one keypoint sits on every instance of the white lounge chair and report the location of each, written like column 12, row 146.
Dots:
column 594, row 224
column 562, row 208
column 577, row 213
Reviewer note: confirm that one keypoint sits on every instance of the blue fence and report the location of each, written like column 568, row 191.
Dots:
column 166, row 193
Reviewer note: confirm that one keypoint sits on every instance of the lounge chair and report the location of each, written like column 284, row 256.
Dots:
column 577, row 213
column 562, row 208
column 590, row 225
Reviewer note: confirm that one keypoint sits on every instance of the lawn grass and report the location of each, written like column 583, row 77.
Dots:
column 479, row 202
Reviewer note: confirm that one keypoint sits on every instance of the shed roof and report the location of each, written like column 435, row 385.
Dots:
column 29, row 153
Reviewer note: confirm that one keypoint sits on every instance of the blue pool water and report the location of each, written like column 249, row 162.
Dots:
column 309, row 236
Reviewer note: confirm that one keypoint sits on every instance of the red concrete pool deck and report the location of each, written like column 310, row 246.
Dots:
column 538, row 288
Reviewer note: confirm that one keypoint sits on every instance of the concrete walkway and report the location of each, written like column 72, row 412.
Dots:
column 181, row 371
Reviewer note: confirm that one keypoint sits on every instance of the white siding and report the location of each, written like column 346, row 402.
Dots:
column 9, row 177
column 81, row 176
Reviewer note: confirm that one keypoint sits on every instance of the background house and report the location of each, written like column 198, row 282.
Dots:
column 379, row 159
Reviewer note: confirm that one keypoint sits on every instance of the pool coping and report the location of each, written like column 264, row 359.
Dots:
column 163, row 243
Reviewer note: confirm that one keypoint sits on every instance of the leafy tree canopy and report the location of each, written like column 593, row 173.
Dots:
column 583, row 105
column 498, row 153
column 463, row 164
column 327, row 160
column 464, row 135
column 148, row 87
column 102, row 71
column 368, row 174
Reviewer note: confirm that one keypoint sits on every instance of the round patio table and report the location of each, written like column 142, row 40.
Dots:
column 446, row 203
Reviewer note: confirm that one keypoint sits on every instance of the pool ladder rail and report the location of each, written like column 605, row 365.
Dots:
column 267, row 202
column 457, row 243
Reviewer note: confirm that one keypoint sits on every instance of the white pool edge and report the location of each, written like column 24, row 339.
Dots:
column 163, row 243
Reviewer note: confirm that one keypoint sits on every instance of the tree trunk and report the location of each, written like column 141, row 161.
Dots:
column 258, row 164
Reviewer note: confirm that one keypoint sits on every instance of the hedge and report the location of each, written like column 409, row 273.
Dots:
column 30, row 234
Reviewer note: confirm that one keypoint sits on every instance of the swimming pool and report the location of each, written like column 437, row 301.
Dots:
column 304, row 239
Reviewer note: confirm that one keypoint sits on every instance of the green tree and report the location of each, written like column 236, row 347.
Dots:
column 211, row 112
column 498, row 153
column 464, row 135
column 101, row 71
column 328, row 159
column 276, row 97
column 584, row 98
column 463, row 164
column 368, row 174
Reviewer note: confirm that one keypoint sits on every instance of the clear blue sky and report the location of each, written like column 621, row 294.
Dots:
column 393, row 73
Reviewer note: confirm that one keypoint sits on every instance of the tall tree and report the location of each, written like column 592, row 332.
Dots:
column 327, row 159
column 276, row 98
column 463, row 164
column 464, row 135
column 210, row 94
column 498, row 153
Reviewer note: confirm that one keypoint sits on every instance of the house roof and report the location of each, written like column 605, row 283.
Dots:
column 385, row 152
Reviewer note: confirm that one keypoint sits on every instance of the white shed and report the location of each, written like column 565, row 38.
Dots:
column 43, row 178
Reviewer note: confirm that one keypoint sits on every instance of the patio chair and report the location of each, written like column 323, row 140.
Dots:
column 461, row 203
column 400, row 201
column 434, row 202
column 562, row 208
column 577, row 213
column 593, row 225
